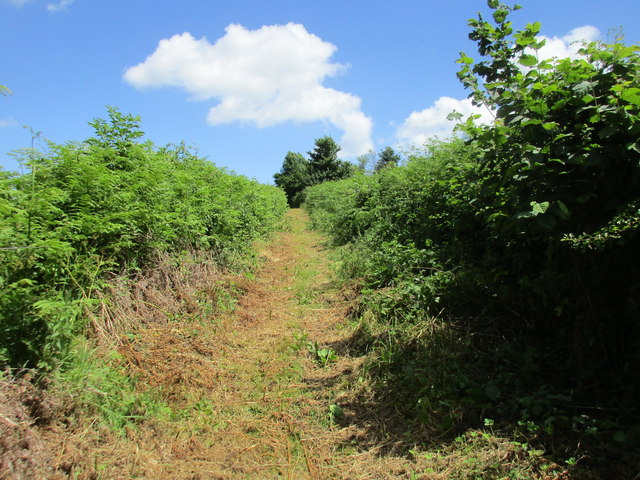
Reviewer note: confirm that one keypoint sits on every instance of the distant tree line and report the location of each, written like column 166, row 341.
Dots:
column 322, row 165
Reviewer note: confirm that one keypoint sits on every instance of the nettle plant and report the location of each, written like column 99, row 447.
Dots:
column 563, row 156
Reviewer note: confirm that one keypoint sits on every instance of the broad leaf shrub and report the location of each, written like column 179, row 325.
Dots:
column 522, row 240
column 408, row 222
column 86, row 211
column 560, row 193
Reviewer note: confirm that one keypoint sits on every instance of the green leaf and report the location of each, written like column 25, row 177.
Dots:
column 549, row 125
column 539, row 208
column 335, row 413
column 525, row 41
column 627, row 52
column 530, row 121
column 534, row 27
column 528, row 60
column 631, row 95
column 500, row 15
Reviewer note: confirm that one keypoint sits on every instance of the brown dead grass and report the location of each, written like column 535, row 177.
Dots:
column 248, row 400
column 24, row 415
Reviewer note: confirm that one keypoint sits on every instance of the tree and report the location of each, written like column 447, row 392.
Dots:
column 324, row 164
column 387, row 158
column 293, row 177
column 298, row 173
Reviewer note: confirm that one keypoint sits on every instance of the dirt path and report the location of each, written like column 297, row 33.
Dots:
column 268, row 389
column 253, row 394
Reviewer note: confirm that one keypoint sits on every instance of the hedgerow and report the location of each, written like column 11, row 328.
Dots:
column 86, row 211
column 520, row 240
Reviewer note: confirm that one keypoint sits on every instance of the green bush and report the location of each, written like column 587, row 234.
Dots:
column 560, row 190
column 106, row 206
column 521, row 240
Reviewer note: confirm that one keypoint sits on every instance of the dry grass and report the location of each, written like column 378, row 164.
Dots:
column 247, row 399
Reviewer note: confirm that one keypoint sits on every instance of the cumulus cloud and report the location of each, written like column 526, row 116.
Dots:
column 262, row 77
column 432, row 121
column 61, row 5
column 568, row 45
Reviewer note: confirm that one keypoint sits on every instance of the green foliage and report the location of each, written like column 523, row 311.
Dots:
column 293, row 176
column 100, row 385
column 482, row 455
column 566, row 132
column 116, row 136
column 323, row 165
column 86, row 211
column 425, row 203
column 523, row 238
column 336, row 414
column 387, row 158
column 561, row 187
column 323, row 356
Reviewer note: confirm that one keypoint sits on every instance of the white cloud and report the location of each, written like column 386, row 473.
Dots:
column 62, row 4
column 52, row 7
column 262, row 77
column 8, row 122
column 17, row 3
column 568, row 45
column 432, row 121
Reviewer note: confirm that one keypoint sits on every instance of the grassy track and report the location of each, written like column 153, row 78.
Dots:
column 248, row 398
column 270, row 389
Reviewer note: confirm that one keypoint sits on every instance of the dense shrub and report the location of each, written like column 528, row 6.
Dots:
column 560, row 176
column 408, row 221
column 523, row 238
column 106, row 206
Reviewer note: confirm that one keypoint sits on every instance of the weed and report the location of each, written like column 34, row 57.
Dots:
column 323, row 356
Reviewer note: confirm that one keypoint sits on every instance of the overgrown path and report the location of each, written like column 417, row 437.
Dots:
column 254, row 394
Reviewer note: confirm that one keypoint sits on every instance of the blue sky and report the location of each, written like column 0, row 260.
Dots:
column 247, row 81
